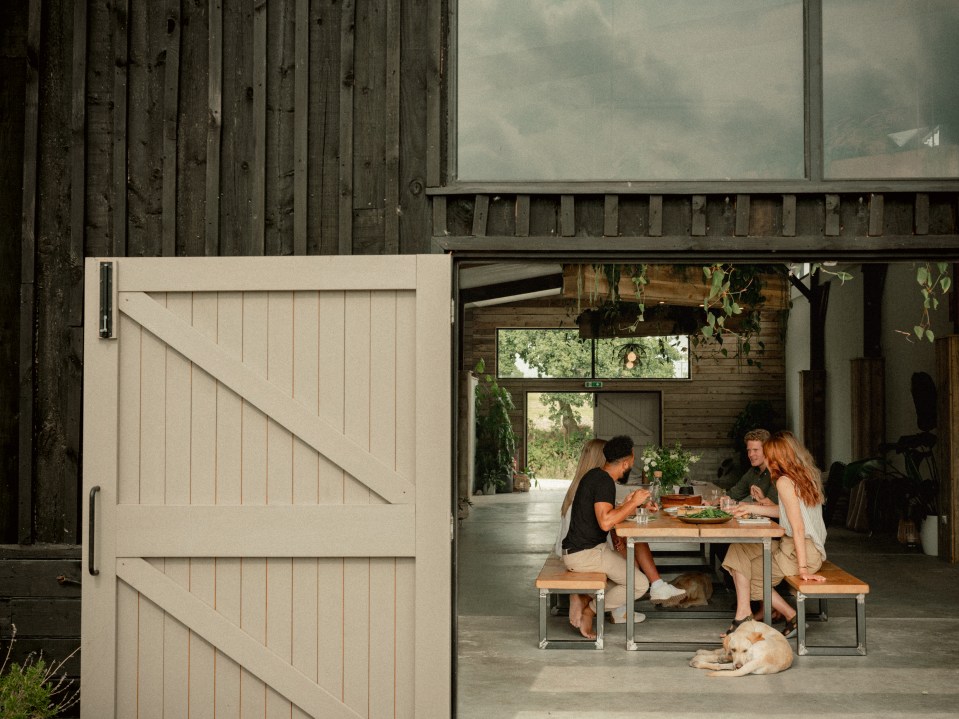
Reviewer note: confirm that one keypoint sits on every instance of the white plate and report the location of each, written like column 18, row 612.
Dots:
column 754, row 520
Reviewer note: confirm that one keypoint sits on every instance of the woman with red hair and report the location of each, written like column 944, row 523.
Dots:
column 801, row 550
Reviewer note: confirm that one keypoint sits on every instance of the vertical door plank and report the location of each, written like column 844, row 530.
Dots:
column 227, row 491
column 356, row 585
column 279, row 597
column 433, row 498
column 100, row 444
column 332, row 360
column 176, row 637
column 405, row 598
column 203, row 492
column 305, row 624
column 128, row 452
column 253, row 577
column 150, row 659
column 383, row 420
column 128, row 621
column 152, row 491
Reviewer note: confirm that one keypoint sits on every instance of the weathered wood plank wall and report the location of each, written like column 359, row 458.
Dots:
column 187, row 128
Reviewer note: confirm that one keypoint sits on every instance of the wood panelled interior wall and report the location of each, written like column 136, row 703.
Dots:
column 185, row 128
column 698, row 412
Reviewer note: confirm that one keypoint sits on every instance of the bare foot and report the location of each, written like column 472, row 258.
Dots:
column 576, row 604
column 586, row 623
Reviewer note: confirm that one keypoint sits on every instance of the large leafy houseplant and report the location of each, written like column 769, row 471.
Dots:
column 495, row 438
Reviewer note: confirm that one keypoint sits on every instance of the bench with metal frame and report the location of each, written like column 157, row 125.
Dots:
column 839, row 584
column 553, row 579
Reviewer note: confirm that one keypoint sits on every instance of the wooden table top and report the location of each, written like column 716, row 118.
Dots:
column 661, row 525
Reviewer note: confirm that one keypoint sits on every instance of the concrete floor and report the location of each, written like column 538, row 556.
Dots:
column 912, row 666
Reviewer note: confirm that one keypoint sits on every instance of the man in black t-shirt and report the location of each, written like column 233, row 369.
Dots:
column 592, row 514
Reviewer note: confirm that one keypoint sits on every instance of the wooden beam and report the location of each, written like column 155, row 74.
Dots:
column 480, row 215
column 439, row 217
column 28, row 247
column 392, row 140
column 522, row 216
column 742, row 215
column 876, row 207
column 611, row 215
column 567, row 216
column 874, row 282
column 789, row 215
column 121, row 40
column 171, row 105
column 211, row 242
column 947, row 449
column 258, row 214
column 655, row 215
column 698, row 227
column 921, row 214
column 832, row 219
column 868, row 406
column 435, row 86
column 74, row 304
column 347, row 77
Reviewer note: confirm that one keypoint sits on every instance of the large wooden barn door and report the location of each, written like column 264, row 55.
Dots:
column 267, row 466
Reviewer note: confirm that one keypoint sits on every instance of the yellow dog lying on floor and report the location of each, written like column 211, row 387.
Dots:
column 754, row 648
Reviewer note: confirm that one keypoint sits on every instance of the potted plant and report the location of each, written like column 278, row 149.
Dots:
column 673, row 462
column 495, row 438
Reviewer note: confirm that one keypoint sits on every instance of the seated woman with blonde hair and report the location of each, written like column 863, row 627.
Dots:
column 801, row 550
column 660, row 592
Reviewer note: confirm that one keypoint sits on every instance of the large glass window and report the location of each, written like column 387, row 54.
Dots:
column 630, row 90
column 890, row 88
column 562, row 354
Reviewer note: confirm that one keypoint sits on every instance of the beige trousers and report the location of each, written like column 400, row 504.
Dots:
column 747, row 559
column 603, row 558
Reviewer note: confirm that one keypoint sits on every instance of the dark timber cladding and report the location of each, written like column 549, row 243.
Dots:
column 172, row 128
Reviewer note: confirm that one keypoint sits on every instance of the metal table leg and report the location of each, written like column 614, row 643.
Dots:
column 767, row 581
column 630, row 590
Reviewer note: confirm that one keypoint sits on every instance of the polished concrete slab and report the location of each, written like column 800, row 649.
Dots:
column 912, row 666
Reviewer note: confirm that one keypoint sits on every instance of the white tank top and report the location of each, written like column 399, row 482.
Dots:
column 813, row 521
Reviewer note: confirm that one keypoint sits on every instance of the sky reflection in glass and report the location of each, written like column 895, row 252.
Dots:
column 630, row 90
column 890, row 88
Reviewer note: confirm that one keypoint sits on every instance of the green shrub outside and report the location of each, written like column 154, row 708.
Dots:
column 552, row 453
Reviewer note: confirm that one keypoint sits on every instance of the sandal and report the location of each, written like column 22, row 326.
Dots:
column 791, row 628
column 734, row 625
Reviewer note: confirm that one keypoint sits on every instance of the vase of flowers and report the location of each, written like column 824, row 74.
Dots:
column 672, row 461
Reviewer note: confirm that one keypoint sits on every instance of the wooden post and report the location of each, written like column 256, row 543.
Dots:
column 947, row 379
column 868, row 405
column 813, row 393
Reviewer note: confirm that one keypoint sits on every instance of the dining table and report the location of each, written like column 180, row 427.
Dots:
column 664, row 528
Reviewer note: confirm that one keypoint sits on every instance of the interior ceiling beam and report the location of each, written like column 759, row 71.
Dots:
column 510, row 289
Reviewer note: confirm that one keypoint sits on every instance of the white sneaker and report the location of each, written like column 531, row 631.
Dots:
column 618, row 616
column 666, row 594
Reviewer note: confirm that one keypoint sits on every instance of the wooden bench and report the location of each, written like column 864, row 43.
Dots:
column 839, row 584
column 554, row 578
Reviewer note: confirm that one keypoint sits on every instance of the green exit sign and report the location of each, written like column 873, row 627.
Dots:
column 592, row 385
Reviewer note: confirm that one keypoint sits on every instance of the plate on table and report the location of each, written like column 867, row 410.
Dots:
column 754, row 519
column 704, row 520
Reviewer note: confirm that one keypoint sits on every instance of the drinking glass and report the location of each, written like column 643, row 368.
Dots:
column 726, row 503
column 642, row 515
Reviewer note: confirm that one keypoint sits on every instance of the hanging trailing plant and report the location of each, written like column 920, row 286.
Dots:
column 933, row 284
